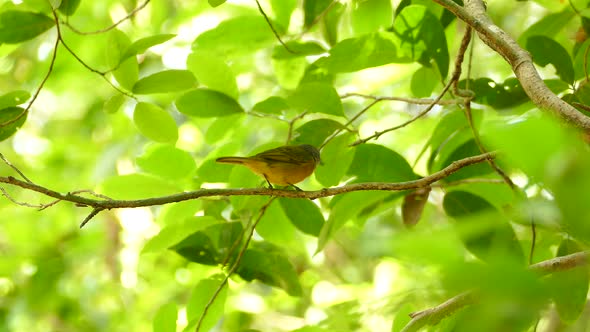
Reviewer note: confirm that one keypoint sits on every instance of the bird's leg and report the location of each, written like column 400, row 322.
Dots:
column 269, row 185
column 294, row 186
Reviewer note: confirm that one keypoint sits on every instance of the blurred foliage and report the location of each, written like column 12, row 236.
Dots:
column 142, row 109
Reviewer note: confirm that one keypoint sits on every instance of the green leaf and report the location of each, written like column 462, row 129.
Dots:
column 136, row 186
column 316, row 97
column 125, row 72
column 173, row 80
column 297, row 49
column 11, row 118
column 114, row 103
column 497, row 95
column 315, row 132
column 274, row 226
column 304, row 214
column 283, row 10
column 312, row 9
column 14, row 98
column 371, row 15
column 165, row 319
column 210, row 245
column 141, row 45
column 547, row 51
column 332, row 21
column 569, row 288
column 336, row 158
column 422, row 37
column 18, row 26
column 236, row 36
column 482, row 228
column 167, row 161
column 270, row 265
column 215, row 3
column 213, row 72
column 173, row 234
column 579, row 60
column 68, row 7
column 374, row 162
column 155, row 123
column 205, row 103
column 271, row 105
column 353, row 54
column 205, row 290
column 289, row 72
column 548, row 26
column 423, row 82
column 465, row 150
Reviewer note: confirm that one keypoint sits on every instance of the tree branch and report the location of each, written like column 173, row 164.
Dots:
column 107, row 204
column 474, row 14
column 434, row 315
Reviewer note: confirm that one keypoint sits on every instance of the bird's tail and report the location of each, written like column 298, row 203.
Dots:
column 231, row 160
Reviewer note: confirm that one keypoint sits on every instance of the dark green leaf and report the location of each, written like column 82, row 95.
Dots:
column 304, row 214
column 465, row 150
column 209, row 245
column 422, row 37
column 205, row 103
column 68, row 7
column 141, row 45
column 236, row 36
column 14, row 98
column 173, row 234
column 315, row 132
column 18, row 26
column 173, row 80
column 353, row 54
column 155, row 123
column 482, row 228
column 316, row 97
column 374, row 162
column 271, row 105
column 11, row 118
column 268, row 264
column 547, row 51
column 213, row 72
column 371, row 15
column 165, row 319
column 497, row 95
column 167, row 161
column 297, row 49
column 332, row 22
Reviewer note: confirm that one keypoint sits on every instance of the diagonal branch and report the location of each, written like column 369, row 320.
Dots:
column 474, row 14
column 434, row 315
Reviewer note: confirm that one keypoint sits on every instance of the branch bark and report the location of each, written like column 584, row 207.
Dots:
column 474, row 14
column 434, row 315
column 107, row 204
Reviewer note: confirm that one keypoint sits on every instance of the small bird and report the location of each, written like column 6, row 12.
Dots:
column 285, row 165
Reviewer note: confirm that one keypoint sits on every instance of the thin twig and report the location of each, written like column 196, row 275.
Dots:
column 291, row 124
column 94, row 212
column 274, row 31
column 107, row 204
column 133, row 12
column 435, row 314
column 356, row 116
column 416, row 101
column 13, row 200
column 418, row 116
column 235, row 265
column 533, row 240
column 7, row 162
